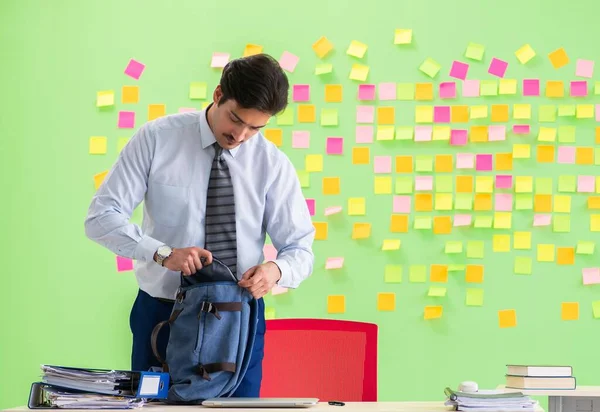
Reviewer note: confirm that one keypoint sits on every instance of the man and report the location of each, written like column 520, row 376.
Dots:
column 212, row 186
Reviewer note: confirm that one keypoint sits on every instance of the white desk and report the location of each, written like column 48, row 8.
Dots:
column 581, row 399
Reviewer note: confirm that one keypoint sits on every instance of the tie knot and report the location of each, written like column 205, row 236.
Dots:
column 218, row 151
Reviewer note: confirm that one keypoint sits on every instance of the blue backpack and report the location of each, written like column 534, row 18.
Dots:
column 212, row 330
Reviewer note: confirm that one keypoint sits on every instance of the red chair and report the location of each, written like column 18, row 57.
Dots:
column 321, row 358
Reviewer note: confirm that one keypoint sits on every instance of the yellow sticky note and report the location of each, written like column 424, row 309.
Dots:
column 507, row 318
column 502, row 220
column 156, row 110
column 99, row 178
column 433, row 312
column 357, row 206
column 121, row 143
column 383, row 185
column 252, row 49
column 525, row 53
column 336, row 304
column 323, row 68
column 545, row 253
column 385, row 133
column 441, row 133
column 521, row 111
column 501, row 243
column 558, row 58
column 386, row 301
column 521, row 151
column 313, row 163
column 547, row 134
column 522, row 240
column 307, row 113
column 105, row 98
column 424, row 114
column 562, row 203
column 331, row 185
column 361, row 230
column 98, row 145
column 333, row 93
column 507, row 86
column 585, row 111
column 197, row 90
column 524, row 184
column 130, row 94
column 570, row 310
column 443, row 201
column 479, row 112
column 474, row 297
column 391, row 244
column 321, row 230
column 594, row 223
column 357, row 49
column 484, row 184
column 359, row 72
column 322, row 46
column 403, row 36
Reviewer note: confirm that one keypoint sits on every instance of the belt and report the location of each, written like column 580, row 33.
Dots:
column 165, row 300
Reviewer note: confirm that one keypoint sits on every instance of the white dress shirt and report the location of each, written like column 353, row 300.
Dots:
column 167, row 165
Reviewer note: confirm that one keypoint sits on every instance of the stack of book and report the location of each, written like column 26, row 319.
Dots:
column 489, row 401
column 540, row 377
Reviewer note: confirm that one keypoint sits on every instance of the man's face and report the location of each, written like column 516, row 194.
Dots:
column 232, row 125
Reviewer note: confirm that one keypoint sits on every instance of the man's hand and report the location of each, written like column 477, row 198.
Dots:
column 188, row 260
column 260, row 279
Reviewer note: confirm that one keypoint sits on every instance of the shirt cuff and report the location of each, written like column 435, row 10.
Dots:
column 145, row 249
column 286, row 273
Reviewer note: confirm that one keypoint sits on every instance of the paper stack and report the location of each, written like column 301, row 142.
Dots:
column 526, row 377
column 489, row 401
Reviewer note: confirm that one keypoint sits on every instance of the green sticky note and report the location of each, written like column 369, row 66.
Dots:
column 597, row 88
column 474, row 297
column 597, row 157
column 323, row 68
column 405, row 91
column 455, row 267
column 475, row 249
column 430, row 67
column 423, row 222
column 596, row 306
column 437, row 291
column 329, row 117
column 286, row 118
column 304, row 178
column 523, row 265
column 269, row 313
column 567, row 184
column 404, row 133
column 585, row 248
column 121, row 142
column 566, row 110
column 198, row 90
column 393, row 274
column 488, row 88
column 404, row 185
column 543, row 185
column 561, row 223
column 424, row 163
column 453, row 246
column 566, row 134
column 523, row 201
column 463, row 201
column 417, row 274
column 475, row 51
column 483, row 222
column 547, row 113
column 444, row 184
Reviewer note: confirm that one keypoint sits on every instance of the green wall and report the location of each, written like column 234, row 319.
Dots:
column 62, row 300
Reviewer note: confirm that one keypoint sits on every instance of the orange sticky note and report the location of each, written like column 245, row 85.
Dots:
column 156, row 110
column 333, row 93
column 331, row 185
column 361, row 230
column 386, row 301
column 500, row 113
column 479, row 134
column 545, row 154
column 399, row 224
column 483, row 201
column 542, row 203
column 443, row 163
column 570, row 310
column 504, row 161
column 361, row 155
column 555, row 88
column 99, row 178
column 322, row 47
column 507, row 318
column 438, row 273
column 275, row 136
column 558, row 58
column 474, row 274
column 336, row 304
column 424, row 91
column 423, row 202
column 464, row 184
column 597, row 134
column 404, row 164
column 584, row 156
column 130, row 94
column 320, row 230
column 565, row 256
column 307, row 113
column 433, row 312
column 252, row 49
column 459, row 114
column 386, row 115
column 442, row 225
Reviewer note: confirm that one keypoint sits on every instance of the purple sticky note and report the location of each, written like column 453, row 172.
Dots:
column 401, row 204
column 531, row 87
column 423, row 133
column 423, row 183
column 585, row 68
column 335, row 145
column 591, row 276
column 497, row 67
column 288, row 61
column 447, row 90
column 365, row 114
column 470, row 88
column 465, row 160
column 124, row 264
column 300, row 139
column 382, row 164
column 364, row 134
column 441, row 114
column 496, row 133
column 134, row 69
column 579, row 88
column 542, row 220
column 311, row 206
column 458, row 137
column 126, row 120
column 521, row 129
column 566, row 155
column 301, row 92
column 483, row 162
column 504, row 181
column 459, row 70
column 503, row 202
column 586, row 184
column 387, row 91
column 462, row 220
column 366, row 92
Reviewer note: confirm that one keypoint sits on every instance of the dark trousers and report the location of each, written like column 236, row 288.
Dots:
column 148, row 311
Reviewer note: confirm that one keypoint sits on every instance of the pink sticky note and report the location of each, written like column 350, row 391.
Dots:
column 332, row 210
column 423, row 183
column 382, row 164
column 288, row 61
column 462, row 220
column 470, row 88
column 335, row 145
column 278, row 290
column 124, row 264
column 366, row 92
column 311, row 206
column 401, row 204
column 591, row 276
column 585, row 68
column 496, row 133
column 566, row 154
column 504, row 181
column 441, row 114
column 483, row 162
column 458, row 137
column 497, row 67
column 387, row 91
column 134, row 69
column 219, row 59
column 301, row 92
column 521, row 129
column 531, row 87
column 334, row 263
column 269, row 252
column 465, row 160
column 459, row 70
column 579, row 88
column 300, row 139
column 447, row 90
column 542, row 220
column 365, row 114
column 364, row 134
column 187, row 109
column 126, row 120
column 586, row 184
column 423, row 133
column 503, row 202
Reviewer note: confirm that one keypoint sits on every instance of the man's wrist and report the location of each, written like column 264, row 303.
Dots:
column 278, row 271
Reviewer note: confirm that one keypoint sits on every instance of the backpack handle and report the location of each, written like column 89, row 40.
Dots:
column 154, row 337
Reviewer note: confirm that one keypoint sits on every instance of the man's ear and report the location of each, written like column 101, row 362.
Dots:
column 217, row 94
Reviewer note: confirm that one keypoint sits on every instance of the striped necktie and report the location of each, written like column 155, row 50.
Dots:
column 220, row 231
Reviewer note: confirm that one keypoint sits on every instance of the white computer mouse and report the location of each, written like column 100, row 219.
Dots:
column 468, row 386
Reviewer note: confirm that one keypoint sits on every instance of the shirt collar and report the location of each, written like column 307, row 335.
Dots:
column 206, row 135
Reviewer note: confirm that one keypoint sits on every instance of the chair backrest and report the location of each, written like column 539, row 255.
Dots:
column 323, row 358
